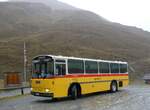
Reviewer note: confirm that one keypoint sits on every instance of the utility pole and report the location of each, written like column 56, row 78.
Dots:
column 25, row 63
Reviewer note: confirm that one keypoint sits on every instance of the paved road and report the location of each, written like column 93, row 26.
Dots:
column 131, row 98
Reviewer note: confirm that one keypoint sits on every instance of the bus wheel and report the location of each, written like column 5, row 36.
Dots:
column 113, row 87
column 74, row 92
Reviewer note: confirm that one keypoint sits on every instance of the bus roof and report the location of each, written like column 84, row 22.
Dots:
column 77, row 58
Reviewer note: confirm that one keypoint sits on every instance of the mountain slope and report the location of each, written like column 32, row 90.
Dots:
column 54, row 4
column 21, row 19
column 67, row 32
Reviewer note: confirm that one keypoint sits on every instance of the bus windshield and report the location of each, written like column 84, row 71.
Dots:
column 43, row 69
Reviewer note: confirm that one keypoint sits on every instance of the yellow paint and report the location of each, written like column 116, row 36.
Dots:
column 59, row 86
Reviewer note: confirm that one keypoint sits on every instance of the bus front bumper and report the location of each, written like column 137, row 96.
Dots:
column 42, row 94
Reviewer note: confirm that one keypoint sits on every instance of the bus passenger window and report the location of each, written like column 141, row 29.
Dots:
column 75, row 66
column 60, row 69
column 123, row 68
column 91, row 67
column 114, row 68
column 104, row 67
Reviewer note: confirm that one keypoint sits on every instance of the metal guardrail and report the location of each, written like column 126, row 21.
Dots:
column 14, row 88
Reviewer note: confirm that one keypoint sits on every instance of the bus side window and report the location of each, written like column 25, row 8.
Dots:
column 60, row 69
column 56, row 70
column 114, row 68
column 104, row 67
column 75, row 66
column 123, row 68
column 91, row 67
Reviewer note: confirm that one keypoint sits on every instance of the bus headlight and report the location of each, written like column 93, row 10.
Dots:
column 31, row 89
column 46, row 90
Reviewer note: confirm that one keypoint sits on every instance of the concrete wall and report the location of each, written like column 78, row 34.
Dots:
column 1, row 84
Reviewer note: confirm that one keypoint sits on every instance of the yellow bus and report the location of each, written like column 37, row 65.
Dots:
column 60, row 76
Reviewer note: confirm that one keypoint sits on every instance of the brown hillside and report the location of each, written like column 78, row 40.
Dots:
column 68, row 32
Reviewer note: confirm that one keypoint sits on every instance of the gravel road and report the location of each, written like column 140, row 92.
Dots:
column 134, row 97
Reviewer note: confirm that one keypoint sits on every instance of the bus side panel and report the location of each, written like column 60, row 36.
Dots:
column 61, row 86
column 98, row 84
column 125, row 82
column 123, row 79
column 94, row 85
column 88, row 84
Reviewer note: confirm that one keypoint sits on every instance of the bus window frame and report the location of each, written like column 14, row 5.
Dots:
column 88, row 70
column 126, row 69
column 100, row 71
column 112, row 69
column 56, row 62
column 83, row 68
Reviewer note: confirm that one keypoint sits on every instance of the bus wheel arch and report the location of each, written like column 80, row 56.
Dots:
column 74, row 87
column 113, row 86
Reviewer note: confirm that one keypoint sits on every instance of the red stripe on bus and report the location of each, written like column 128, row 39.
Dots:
column 93, row 75
column 83, row 75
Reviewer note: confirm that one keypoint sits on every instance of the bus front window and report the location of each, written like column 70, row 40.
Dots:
column 43, row 69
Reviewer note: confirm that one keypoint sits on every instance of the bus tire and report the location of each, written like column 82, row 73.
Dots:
column 74, row 92
column 113, row 87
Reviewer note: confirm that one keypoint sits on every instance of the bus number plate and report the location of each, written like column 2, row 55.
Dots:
column 37, row 82
column 37, row 94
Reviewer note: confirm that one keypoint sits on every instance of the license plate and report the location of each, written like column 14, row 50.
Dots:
column 37, row 94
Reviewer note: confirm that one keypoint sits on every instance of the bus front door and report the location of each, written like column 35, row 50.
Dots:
column 60, row 69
